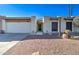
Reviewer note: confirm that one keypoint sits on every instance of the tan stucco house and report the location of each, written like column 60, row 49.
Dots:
column 31, row 24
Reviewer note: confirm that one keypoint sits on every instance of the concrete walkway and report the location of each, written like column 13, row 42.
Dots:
column 9, row 40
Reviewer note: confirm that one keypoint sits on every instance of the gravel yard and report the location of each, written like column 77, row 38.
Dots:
column 45, row 46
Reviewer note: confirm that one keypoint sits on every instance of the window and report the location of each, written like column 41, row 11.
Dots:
column 69, row 25
column 54, row 26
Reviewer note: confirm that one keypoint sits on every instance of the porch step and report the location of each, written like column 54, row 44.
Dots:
column 39, row 33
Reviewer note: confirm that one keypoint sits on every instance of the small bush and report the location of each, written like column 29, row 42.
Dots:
column 66, row 34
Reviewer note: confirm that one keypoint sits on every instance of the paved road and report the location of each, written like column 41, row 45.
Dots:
column 9, row 40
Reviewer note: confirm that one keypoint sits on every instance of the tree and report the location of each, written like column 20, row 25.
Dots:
column 76, row 21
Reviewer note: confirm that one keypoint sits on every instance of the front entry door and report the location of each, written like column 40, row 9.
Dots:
column 39, row 27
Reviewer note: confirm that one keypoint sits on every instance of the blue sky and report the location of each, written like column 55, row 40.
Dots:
column 37, row 10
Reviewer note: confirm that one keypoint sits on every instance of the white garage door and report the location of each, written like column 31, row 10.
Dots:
column 18, row 27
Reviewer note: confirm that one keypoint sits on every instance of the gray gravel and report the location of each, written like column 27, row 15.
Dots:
column 45, row 46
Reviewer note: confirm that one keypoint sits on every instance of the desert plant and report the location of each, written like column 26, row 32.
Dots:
column 76, row 21
column 66, row 34
column 67, row 31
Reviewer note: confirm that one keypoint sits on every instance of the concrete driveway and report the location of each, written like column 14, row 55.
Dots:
column 9, row 40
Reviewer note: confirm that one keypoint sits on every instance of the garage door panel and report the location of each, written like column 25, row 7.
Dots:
column 15, row 27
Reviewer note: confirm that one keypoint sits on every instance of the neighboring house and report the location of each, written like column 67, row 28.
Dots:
column 33, row 25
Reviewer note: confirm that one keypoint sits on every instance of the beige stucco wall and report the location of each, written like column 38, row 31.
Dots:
column 73, row 27
column 63, row 24
column 33, row 24
column 77, row 30
column 1, row 22
column 4, row 25
column 46, row 25
column 0, row 25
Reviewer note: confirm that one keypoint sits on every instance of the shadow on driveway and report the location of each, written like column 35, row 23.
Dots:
column 12, row 37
